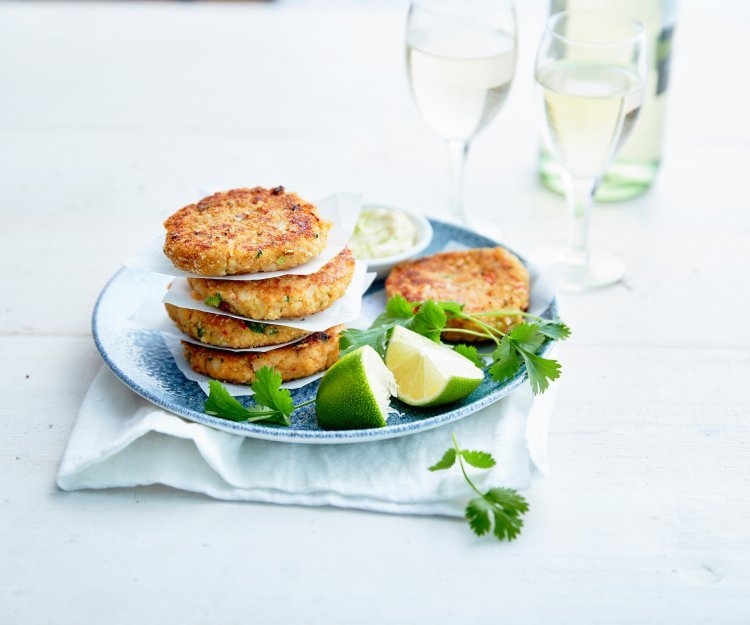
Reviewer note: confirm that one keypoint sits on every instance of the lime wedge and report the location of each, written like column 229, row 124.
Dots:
column 355, row 392
column 427, row 373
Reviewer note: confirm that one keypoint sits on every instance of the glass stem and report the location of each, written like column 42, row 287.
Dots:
column 580, row 197
column 458, row 149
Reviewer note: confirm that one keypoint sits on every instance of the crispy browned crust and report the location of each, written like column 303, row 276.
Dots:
column 223, row 331
column 283, row 297
column 312, row 354
column 245, row 231
column 482, row 279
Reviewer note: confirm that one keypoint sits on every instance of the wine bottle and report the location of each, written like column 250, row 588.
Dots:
column 637, row 163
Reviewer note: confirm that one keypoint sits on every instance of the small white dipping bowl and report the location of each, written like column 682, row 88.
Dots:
column 382, row 266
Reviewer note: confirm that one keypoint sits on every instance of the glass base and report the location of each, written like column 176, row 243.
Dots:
column 624, row 179
column 602, row 268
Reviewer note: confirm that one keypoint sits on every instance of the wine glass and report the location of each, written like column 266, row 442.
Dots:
column 591, row 68
column 461, row 59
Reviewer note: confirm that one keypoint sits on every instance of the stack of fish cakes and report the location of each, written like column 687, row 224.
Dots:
column 250, row 231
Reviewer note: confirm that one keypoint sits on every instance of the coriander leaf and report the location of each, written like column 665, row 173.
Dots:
column 385, row 319
column 398, row 311
column 268, row 391
column 527, row 336
column 478, row 459
column 478, row 512
column 276, row 419
column 398, row 307
column 522, row 344
column 429, row 321
column 499, row 509
column 506, row 363
column 554, row 330
column 470, row 352
column 376, row 337
column 451, row 307
column 267, row 416
column 221, row 404
column 213, row 300
column 540, row 370
column 254, row 326
column 509, row 499
column 507, row 508
column 507, row 527
column 446, row 462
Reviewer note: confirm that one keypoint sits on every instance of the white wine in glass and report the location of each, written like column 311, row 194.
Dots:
column 591, row 68
column 590, row 110
column 461, row 60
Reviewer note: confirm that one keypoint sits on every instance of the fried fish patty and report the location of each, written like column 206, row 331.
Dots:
column 315, row 353
column 245, row 231
column 482, row 279
column 282, row 297
column 223, row 331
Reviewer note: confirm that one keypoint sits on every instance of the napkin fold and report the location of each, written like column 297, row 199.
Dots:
column 121, row 440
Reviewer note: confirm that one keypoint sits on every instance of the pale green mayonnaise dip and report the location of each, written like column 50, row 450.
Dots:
column 382, row 232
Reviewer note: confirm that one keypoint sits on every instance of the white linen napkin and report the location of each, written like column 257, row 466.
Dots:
column 120, row 440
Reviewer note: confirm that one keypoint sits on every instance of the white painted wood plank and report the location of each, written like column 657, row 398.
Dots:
column 642, row 519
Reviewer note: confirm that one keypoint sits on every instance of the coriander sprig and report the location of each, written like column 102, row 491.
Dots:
column 499, row 509
column 513, row 349
column 273, row 403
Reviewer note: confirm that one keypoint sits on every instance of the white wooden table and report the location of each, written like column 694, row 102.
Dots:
column 114, row 115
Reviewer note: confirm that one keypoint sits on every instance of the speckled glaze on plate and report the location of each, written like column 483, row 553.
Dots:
column 140, row 358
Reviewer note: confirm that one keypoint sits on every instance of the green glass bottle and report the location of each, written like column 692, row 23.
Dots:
column 638, row 161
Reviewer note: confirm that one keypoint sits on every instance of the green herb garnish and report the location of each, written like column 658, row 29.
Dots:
column 513, row 350
column 258, row 328
column 520, row 345
column 470, row 352
column 273, row 404
column 213, row 300
column 499, row 509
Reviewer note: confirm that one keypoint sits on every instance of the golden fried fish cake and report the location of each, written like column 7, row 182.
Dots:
column 315, row 353
column 245, row 231
column 483, row 279
column 223, row 331
column 283, row 297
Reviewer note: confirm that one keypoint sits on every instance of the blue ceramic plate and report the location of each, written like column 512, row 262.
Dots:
column 140, row 358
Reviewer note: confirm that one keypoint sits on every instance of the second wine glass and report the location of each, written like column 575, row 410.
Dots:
column 591, row 70
column 461, row 60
